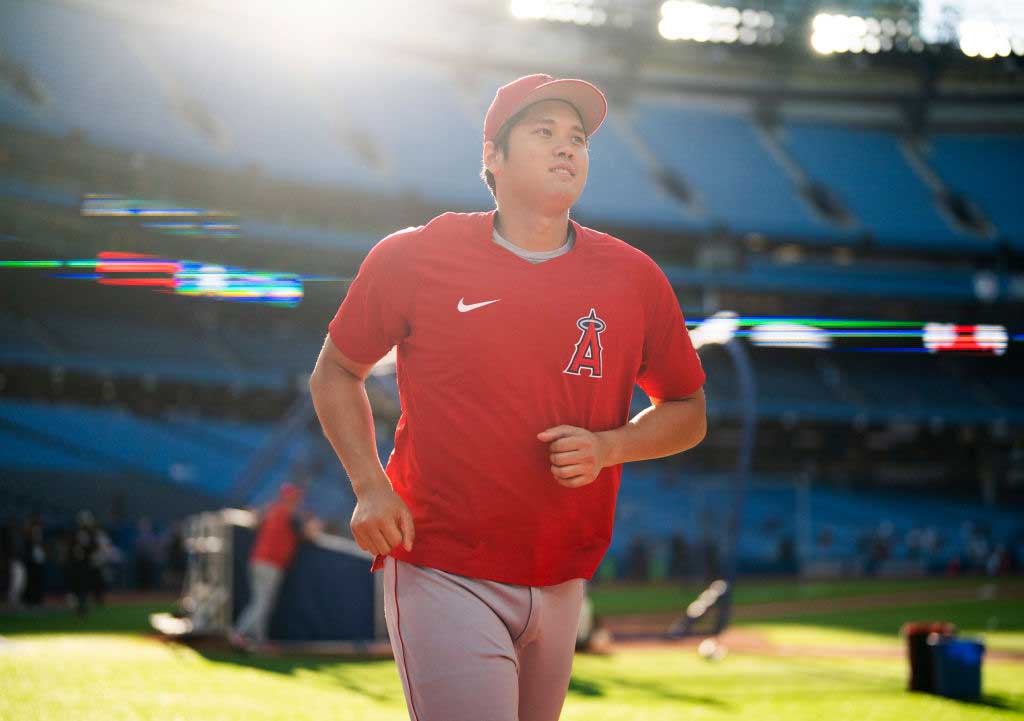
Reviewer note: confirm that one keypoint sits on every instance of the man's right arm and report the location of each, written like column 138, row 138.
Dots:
column 381, row 519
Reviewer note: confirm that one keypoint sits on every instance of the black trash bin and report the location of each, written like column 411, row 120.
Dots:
column 921, row 655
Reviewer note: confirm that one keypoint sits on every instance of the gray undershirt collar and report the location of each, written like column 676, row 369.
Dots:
column 538, row 256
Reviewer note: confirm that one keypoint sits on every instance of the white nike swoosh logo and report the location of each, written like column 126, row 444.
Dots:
column 463, row 308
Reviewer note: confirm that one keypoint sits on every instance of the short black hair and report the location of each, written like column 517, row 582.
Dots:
column 501, row 143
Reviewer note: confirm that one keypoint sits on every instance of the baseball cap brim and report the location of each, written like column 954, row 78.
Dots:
column 589, row 102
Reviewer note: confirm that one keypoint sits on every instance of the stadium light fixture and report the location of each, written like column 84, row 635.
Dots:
column 837, row 33
column 981, row 28
column 701, row 22
column 988, row 39
column 578, row 12
column 842, row 33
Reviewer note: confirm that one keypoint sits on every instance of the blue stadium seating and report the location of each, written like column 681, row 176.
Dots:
column 269, row 111
column 656, row 503
column 987, row 170
column 920, row 391
column 60, row 458
column 620, row 188
column 935, row 283
column 219, row 105
column 740, row 184
column 876, row 387
column 223, row 105
column 18, row 344
column 93, row 81
column 422, row 126
column 203, row 455
column 125, row 443
column 123, row 347
column 27, row 452
column 868, row 171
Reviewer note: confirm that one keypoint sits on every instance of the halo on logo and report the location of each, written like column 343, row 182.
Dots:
column 591, row 320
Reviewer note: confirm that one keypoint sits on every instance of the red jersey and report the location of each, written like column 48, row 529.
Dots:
column 492, row 350
column 278, row 537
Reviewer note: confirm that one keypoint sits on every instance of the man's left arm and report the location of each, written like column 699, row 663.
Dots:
column 667, row 427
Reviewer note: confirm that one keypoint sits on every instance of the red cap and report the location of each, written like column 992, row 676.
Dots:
column 589, row 102
column 290, row 492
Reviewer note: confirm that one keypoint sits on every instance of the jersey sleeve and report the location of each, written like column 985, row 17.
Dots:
column 375, row 313
column 671, row 368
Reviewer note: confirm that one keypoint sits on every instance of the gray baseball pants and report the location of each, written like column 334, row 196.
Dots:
column 469, row 649
column 264, row 582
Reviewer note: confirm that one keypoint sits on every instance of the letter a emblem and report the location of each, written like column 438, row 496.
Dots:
column 588, row 348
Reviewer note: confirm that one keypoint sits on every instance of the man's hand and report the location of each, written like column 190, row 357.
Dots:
column 576, row 454
column 312, row 528
column 381, row 521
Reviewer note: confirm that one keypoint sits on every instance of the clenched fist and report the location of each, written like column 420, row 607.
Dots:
column 576, row 454
column 381, row 520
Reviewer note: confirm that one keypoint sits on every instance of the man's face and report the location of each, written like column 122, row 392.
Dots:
column 548, row 159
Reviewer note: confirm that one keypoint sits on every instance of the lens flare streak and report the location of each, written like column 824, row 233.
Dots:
column 182, row 277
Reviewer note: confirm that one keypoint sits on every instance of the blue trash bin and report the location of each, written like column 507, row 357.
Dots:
column 956, row 664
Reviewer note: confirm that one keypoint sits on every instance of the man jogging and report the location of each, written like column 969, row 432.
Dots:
column 520, row 336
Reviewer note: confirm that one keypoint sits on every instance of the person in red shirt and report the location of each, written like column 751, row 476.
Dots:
column 280, row 531
column 520, row 335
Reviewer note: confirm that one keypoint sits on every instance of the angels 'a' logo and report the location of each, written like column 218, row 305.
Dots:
column 587, row 355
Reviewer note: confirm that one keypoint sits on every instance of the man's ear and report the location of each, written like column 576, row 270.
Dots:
column 491, row 156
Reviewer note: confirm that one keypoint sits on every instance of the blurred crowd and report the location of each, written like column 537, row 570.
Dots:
column 78, row 562
column 42, row 559
column 974, row 550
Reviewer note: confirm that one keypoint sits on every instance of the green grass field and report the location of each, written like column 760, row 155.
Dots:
column 54, row 667
column 663, row 597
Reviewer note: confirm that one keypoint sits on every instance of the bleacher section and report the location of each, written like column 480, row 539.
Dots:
column 740, row 185
column 919, row 396
column 48, row 450
column 21, row 343
column 655, row 505
column 890, row 280
column 278, row 356
column 615, row 166
column 92, row 80
column 875, row 387
column 413, row 128
column 60, row 495
column 423, row 130
column 123, row 443
column 271, row 357
column 869, row 172
column 985, row 169
column 907, row 279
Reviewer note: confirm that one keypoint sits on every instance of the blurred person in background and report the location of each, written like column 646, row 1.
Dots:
column 33, row 558
column 147, row 556
column 679, row 556
column 281, row 529
column 84, row 572
column 12, row 569
column 175, row 556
